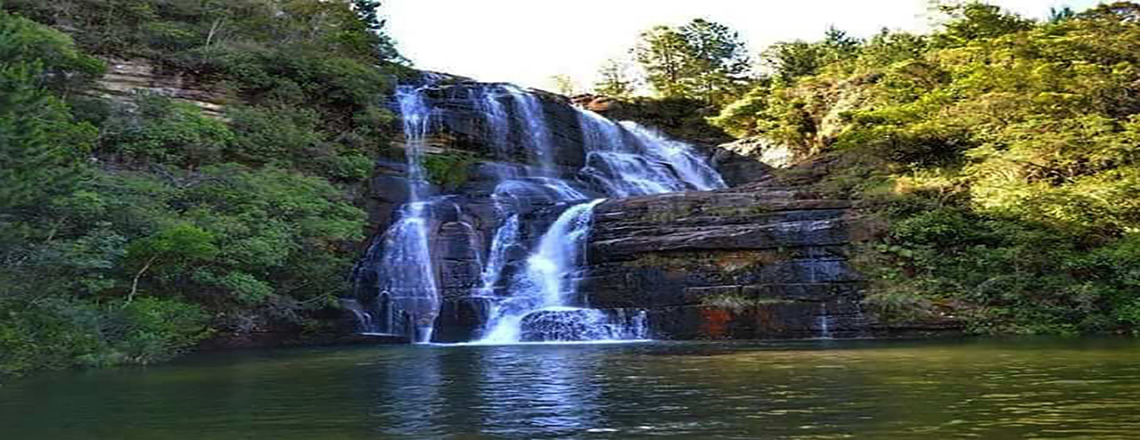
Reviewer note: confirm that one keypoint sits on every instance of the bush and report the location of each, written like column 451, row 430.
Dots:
column 1003, row 152
column 152, row 329
column 131, row 232
column 157, row 129
column 59, row 333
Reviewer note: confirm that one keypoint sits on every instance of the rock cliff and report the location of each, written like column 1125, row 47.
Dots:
column 755, row 261
column 125, row 77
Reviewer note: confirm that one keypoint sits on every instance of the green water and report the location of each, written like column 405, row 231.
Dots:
column 803, row 390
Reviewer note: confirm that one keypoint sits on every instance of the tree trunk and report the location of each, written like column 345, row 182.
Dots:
column 135, row 282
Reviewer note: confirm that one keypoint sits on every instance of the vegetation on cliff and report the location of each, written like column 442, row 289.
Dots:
column 1003, row 151
column 131, row 230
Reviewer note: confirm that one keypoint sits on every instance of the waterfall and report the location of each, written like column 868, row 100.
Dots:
column 537, row 133
column 416, row 117
column 549, row 279
column 529, row 232
column 631, row 160
column 407, row 277
column 824, row 323
column 691, row 168
column 498, row 121
column 364, row 321
column 506, row 235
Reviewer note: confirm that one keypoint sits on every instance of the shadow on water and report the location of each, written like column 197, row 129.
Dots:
column 1017, row 388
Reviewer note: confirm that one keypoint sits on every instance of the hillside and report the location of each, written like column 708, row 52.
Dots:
column 135, row 225
column 1002, row 151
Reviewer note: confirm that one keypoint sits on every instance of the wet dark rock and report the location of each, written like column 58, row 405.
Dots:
column 757, row 262
column 560, row 325
column 738, row 169
column 573, row 324
column 461, row 318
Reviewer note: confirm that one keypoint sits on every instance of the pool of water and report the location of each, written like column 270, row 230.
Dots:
column 992, row 389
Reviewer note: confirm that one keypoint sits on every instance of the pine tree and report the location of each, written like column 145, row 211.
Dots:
column 701, row 60
column 614, row 80
column 369, row 13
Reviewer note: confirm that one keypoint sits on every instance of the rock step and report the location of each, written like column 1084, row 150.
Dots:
column 771, row 320
column 762, row 261
column 635, row 239
column 728, row 295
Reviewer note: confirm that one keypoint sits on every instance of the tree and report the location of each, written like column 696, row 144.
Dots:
column 664, row 55
column 614, row 80
column 564, row 84
column 369, row 13
column 34, row 162
column 41, row 147
column 720, row 60
column 183, row 245
column 1063, row 13
column 977, row 21
column 791, row 60
column 701, row 60
column 180, row 243
column 1002, row 152
column 840, row 45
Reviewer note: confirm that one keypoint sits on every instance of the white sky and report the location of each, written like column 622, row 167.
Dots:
column 527, row 41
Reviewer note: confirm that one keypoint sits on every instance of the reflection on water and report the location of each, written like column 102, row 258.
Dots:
column 553, row 393
column 801, row 390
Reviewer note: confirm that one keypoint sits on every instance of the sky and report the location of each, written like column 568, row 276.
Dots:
column 526, row 42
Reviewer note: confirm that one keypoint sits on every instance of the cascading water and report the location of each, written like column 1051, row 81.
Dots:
column 824, row 323
column 528, row 273
column 631, row 160
column 497, row 119
column 506, row 235
column 692, row 169
column 536, row 129
column 548, row 280
column 407, row 278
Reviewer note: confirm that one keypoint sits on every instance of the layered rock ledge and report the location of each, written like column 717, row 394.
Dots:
column 748, row 262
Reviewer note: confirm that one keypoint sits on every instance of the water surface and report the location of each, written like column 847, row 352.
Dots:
column 789, row 390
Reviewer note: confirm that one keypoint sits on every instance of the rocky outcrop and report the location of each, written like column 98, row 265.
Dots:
column 756, row 261
column 751, row 262
column 596, row 103
column 463, row 129
column 126, row 77
column 758, row 149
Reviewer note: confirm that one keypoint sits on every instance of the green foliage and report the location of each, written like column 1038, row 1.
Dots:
column 59, row 333
column 978, row 21
column 175, row 245
column 615, row 80
column 171, row 30
column 701, row 60
column 796, row 59
column 133, row 233
column 157, row 129
column 151, row 330
column 58, row 64
column 318, row 70
column 238, row 245
column 449, row 170
column 40, row 143
column 1002, row 151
